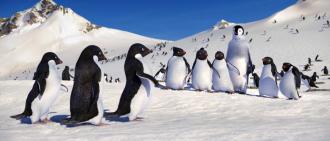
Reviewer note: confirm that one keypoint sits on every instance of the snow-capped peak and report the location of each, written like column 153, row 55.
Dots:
column 222, row 24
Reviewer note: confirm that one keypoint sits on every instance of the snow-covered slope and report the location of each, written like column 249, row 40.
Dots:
column 278, row 40
column 60, row 30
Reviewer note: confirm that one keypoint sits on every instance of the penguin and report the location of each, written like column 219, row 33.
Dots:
column 290, row 82
column 143, row 97
column 134, row 72
column 325, row 70
column 66, row 73
column 308, row 81
column 160, row 75
column 177, row 70
column 85, row 101
column 268, row 79
column 201, row 72
column 256, row 79
column 45, row 89
column 238, row 55
column 220, row 76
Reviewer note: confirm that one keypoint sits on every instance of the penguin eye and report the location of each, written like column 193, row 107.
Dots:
column 100, row 53
column 142, row 49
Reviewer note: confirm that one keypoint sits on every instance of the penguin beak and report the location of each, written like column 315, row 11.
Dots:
column 58, row 61
column 102, row 57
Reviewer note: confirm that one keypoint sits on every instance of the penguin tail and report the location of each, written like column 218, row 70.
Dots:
column 18, row 116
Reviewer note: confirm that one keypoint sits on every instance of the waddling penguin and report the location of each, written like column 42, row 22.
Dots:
column 268, row 79
column 135, row 77
column 143, row 97
column 85, row 101
column 45, row 89
column 220, row 76
column 290, row 82
column 238, row 55
column 201, row 72
column 177, row 70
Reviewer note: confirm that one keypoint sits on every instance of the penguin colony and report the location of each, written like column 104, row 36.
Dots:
column 228, row 74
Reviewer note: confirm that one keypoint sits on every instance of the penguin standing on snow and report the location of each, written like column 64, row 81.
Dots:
column 238, row 55
column 177, row 70
column 138, row 83
column 325, row 70
column 201, row 72
column 268, row 80
column 45, row 89
column 290, row 82
column 85, row 101
column 220, row 76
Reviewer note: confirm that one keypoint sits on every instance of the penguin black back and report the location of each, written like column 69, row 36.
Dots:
column 85, row 91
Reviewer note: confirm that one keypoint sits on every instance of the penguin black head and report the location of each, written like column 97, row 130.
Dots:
column 219, row 55
column 66, row 67
column 238, row 30
column 178, row 52
column 90, row 51
column 49, row 56
column 201, row 54
column 286, row 66
column 267, row 60
column 138, row 48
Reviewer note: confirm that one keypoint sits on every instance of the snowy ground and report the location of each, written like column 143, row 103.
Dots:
column 179, row 115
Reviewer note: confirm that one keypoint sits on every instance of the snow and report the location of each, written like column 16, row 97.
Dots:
column 179, row 115
column 175, row 115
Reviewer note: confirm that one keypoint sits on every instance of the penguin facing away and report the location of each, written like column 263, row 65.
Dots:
column 201, row 72
column 134, row 72
column 238, row 55
column 177, row 70
column 220, row 76
column 85, row 101
column 45, row 89
column 290, row 82
column 268, row 79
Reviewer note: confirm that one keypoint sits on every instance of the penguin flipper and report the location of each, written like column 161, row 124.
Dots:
column 187, row 64
column 211, row 66
column 233, row 68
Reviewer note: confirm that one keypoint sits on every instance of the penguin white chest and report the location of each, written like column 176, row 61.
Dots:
column 288, row 86
column 142, row 98
column 176, row 73
column 201, row 75
column 40, row 106
column 221, row 81
column 267, row 84
column 53, row 85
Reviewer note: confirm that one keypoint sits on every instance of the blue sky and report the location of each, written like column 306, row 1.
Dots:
column 164, row 19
